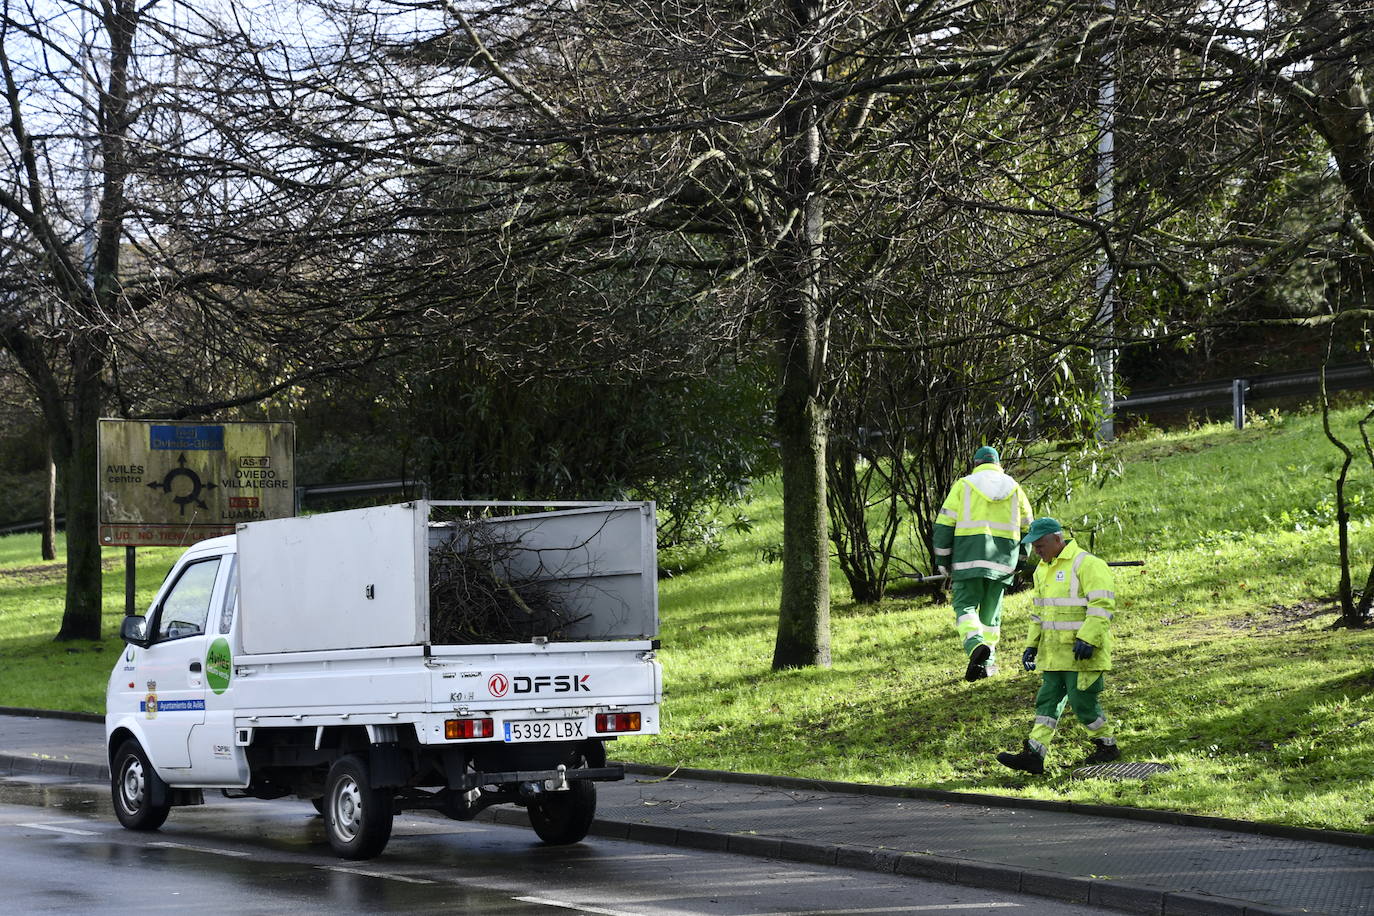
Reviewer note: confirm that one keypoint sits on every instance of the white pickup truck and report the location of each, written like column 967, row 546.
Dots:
column 295, row 658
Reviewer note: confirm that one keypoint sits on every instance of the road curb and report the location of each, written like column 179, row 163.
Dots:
column 51, row 714
column 17, row 765
column 1115, row 895
column 1306, row 834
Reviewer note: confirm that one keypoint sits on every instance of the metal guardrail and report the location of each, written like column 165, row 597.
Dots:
column 1234, row 391
column 21, row 527
column 360, row 486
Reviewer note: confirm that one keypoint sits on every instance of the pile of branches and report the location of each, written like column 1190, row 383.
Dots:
column 475, row 597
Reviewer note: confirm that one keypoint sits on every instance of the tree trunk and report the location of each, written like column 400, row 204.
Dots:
column 1348, row 616
column 50, row 507
column 847, row 499
column 1363, row 609
column 1340, row 112
column 81, row 617
column 80, row 478
column 1343, row 590
column 804, row 615
column 1366, row 606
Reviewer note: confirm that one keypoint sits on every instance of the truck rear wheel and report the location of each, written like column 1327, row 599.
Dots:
column 357, row 816
column 561, row 818
column 131, row 784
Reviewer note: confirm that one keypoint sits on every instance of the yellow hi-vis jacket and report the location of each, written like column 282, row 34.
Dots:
column 978, row 530
column 1075, row 598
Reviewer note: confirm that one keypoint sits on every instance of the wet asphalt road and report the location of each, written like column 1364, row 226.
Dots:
column 63, row 852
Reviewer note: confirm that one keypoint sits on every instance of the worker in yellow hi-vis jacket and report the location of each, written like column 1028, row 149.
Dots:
column 1070, row 641
column 976, row 544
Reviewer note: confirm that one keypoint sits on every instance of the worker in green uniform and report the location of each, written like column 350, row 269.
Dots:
column 1070, row 641
column 976, row 544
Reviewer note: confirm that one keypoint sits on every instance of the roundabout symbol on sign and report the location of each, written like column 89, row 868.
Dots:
column 498, row 685
column 196, row 485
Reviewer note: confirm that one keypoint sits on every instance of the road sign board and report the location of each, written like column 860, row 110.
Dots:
column 164, row 482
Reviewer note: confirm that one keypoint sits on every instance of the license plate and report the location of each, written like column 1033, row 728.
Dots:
column 544, row 730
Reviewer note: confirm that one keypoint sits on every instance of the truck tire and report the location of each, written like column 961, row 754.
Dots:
column 131, row 784
column 357, row 817
column 561, row 818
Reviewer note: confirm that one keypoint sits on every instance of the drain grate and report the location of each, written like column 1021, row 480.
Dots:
column 1120, row 771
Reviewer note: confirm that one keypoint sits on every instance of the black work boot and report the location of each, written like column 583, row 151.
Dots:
column 1102, row 753
column 977, row 663
column 1028, row 761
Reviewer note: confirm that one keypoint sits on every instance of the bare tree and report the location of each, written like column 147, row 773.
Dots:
column 1233, row 95
column 71, row 295
column 1273, row 99
column 592, row 188
column 736, row 160
column 156, row 247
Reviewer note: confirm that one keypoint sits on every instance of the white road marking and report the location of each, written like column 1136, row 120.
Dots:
column 166, row 844
column 56, row 829
column 926, row 908
column 578, row 906
column 375, row 874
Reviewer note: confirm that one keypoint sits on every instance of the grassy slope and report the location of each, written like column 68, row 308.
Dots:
column 1226, row 666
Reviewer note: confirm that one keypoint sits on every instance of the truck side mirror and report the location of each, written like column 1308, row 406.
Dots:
column 134, row 630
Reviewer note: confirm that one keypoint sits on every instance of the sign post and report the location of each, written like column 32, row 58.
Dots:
column 129, row 580
column 164, row 483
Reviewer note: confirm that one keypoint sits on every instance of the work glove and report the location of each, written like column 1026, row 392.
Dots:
column 1082, row 650
column 943, row 570
column 1028, row 658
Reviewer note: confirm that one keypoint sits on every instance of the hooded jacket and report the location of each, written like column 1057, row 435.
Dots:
column 978, row 529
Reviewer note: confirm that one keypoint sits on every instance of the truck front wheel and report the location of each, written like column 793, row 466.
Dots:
column 131, row 786
column 357, row 816
column 561, row 818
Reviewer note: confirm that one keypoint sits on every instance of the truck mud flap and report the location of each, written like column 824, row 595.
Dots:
column 388, row 764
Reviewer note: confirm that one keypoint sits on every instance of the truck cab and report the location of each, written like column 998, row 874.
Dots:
column 176, row 665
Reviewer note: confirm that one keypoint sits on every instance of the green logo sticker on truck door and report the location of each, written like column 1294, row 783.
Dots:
column 219, row 664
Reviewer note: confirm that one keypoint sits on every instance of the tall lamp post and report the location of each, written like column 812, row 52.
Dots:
column 1104, row 354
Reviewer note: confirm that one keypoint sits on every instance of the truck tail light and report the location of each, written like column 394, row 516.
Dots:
column 468, row 728
column 617, row 721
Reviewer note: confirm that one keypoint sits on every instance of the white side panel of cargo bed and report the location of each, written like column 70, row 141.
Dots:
column 342, row 685
column 341, row 580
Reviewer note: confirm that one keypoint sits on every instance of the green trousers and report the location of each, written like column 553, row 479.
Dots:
column 1062, row 688
column 978, row 615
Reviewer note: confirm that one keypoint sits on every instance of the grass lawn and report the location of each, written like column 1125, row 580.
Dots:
column 38, row 673
column 1227, row 668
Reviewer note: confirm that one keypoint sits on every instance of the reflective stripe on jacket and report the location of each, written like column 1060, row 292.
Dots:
column 1075, row 598
column 978, row 530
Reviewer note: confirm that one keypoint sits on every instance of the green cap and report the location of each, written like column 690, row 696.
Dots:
column 986, row 454
column 1041, row 527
